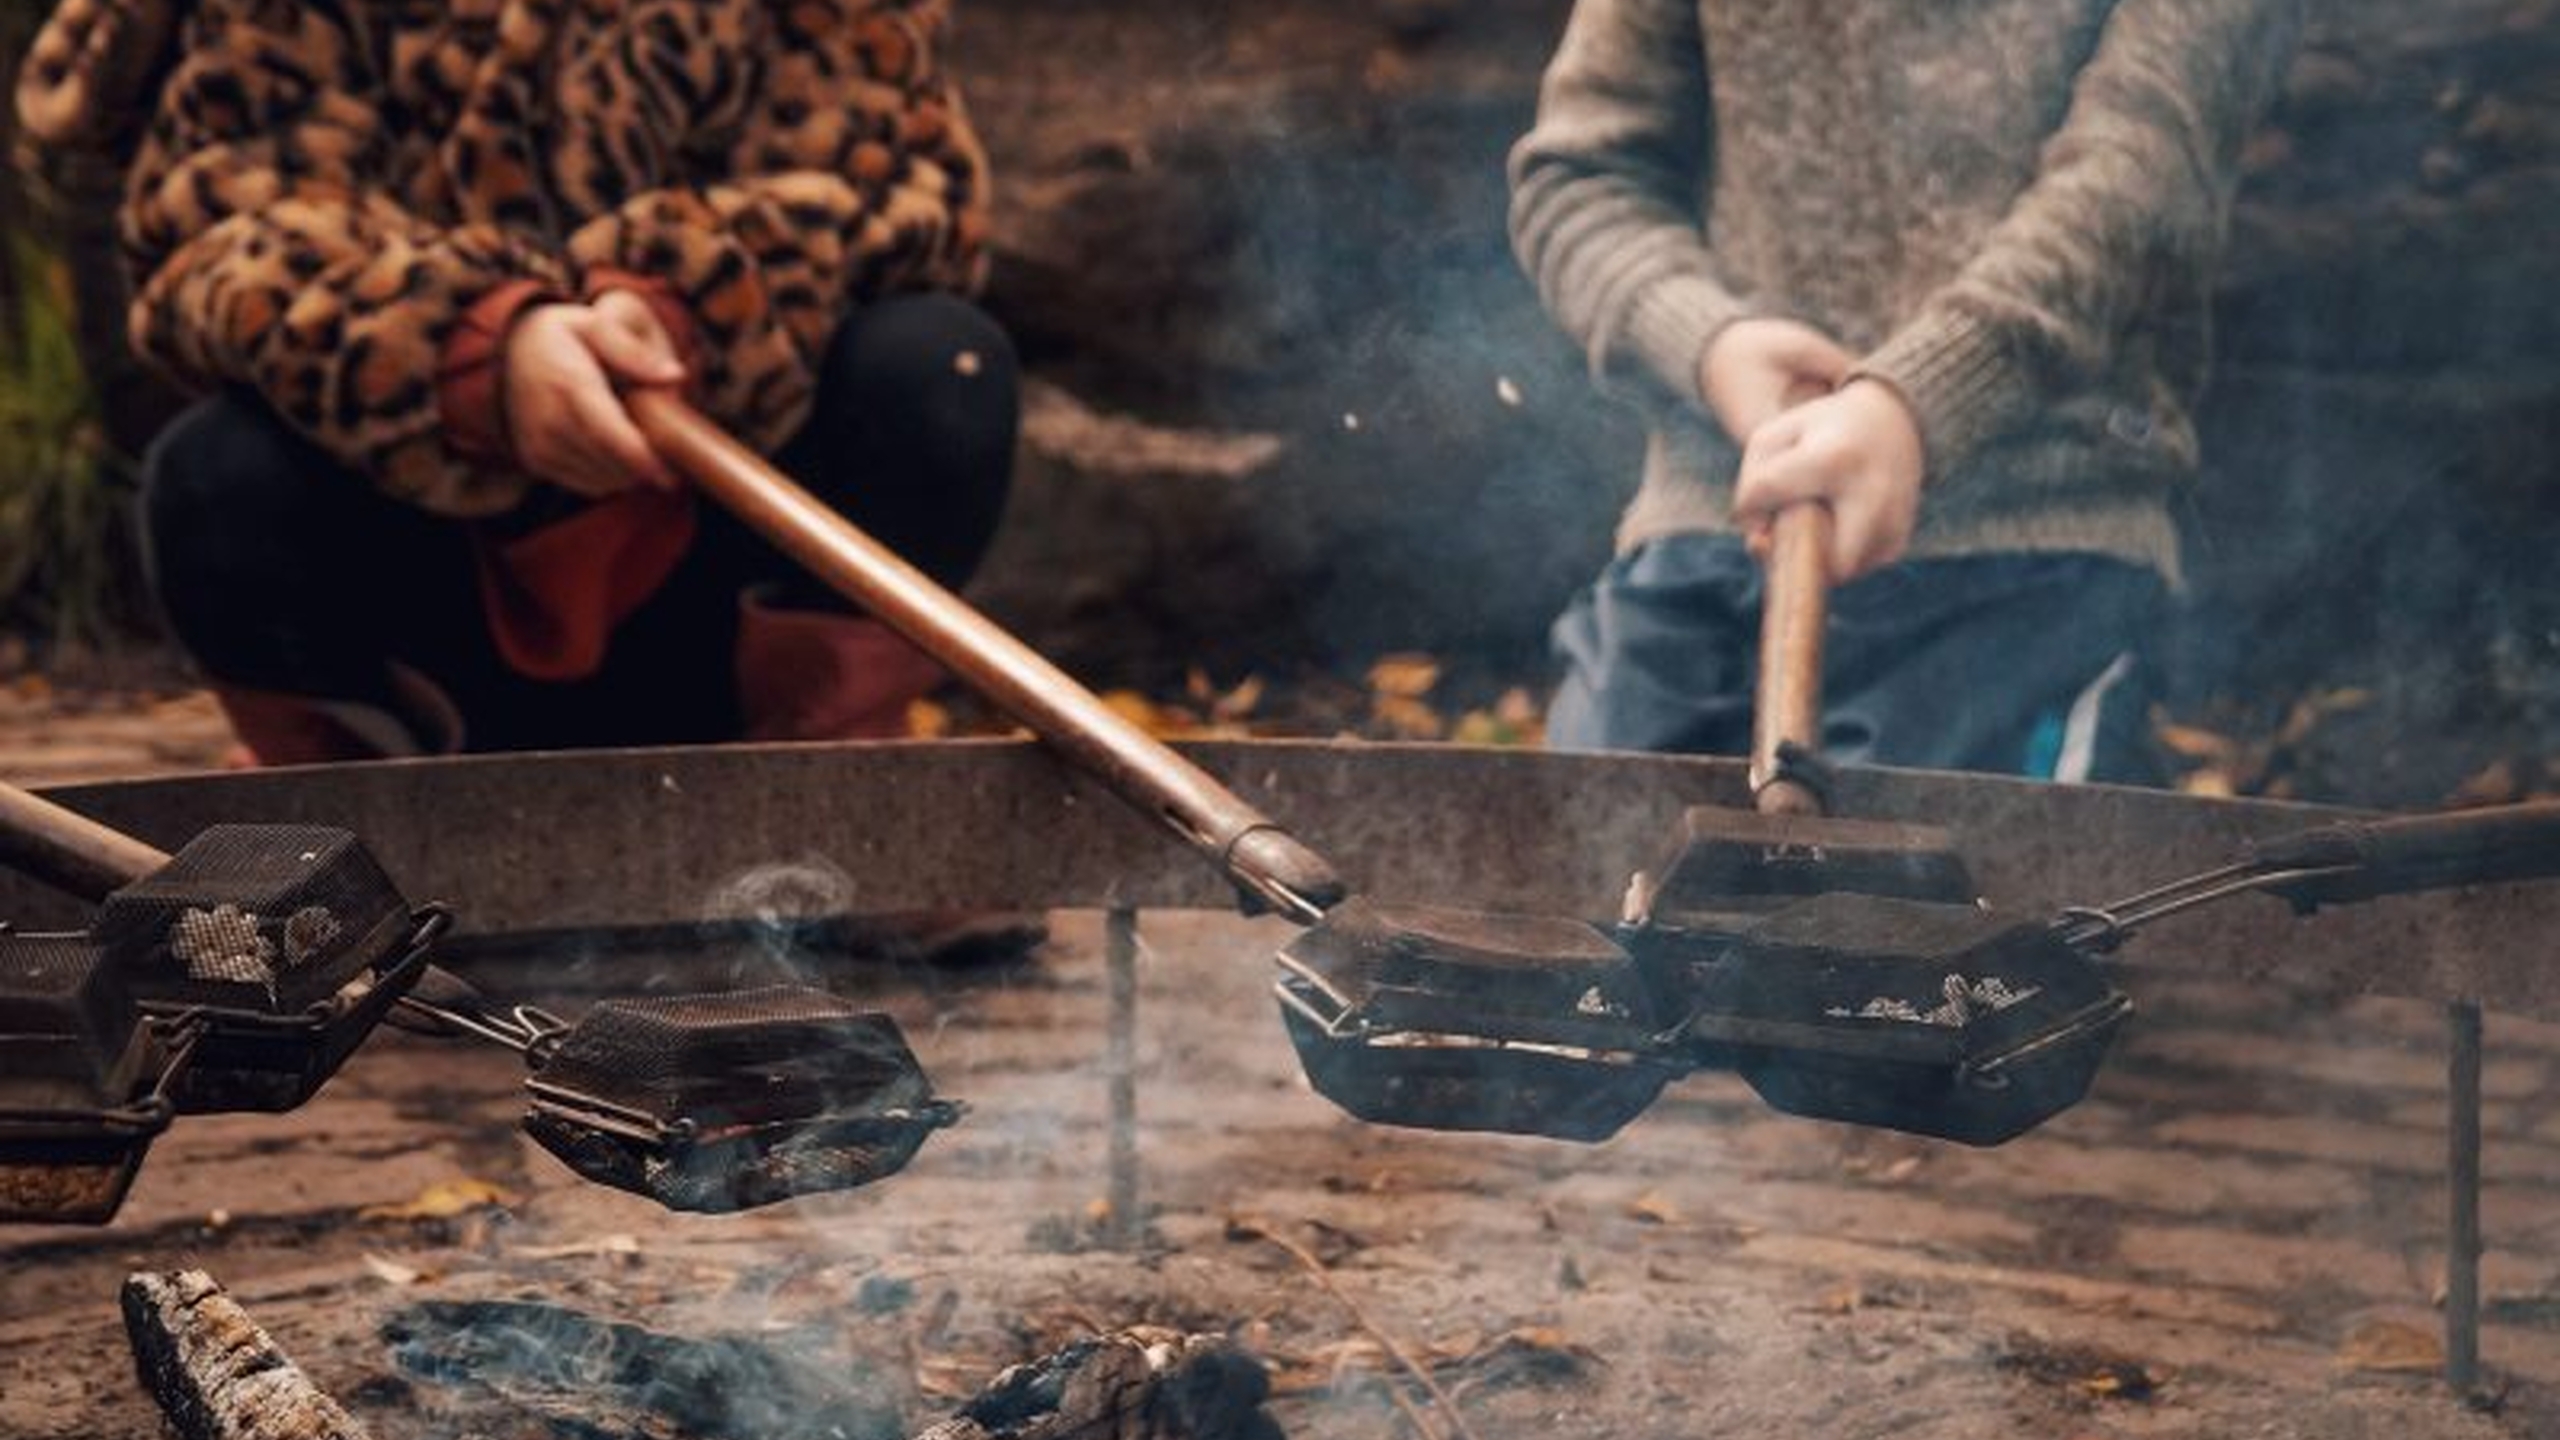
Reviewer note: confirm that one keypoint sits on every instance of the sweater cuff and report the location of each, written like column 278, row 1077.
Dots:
column 1955, row 374
column 1669, row 325
column 471, row 372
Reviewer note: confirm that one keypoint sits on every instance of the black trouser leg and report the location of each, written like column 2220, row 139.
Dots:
column 912, row 436
column 279, row 569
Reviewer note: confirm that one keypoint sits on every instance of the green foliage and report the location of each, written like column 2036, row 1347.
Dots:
column 66, row 541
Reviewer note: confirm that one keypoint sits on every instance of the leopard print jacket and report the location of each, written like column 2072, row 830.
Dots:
column 326, row 187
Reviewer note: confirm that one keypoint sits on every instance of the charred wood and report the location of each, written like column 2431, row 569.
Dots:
column 530, row 1367
column 215, row 1373
column 1140, row 1383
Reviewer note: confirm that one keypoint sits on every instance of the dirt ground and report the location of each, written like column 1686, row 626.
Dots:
column 2236, row 1236
column 64, row 735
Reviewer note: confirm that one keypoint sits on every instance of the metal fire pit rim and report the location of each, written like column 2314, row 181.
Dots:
column 612, row 838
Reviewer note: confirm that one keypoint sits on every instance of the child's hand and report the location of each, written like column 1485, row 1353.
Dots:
column 1857, row 451
column 1756, row 369
column 563, row 412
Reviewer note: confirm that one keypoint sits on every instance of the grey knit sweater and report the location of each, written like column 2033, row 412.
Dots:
column 2010, row 209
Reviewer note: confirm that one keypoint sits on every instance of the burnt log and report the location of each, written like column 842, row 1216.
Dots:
column 525, row 1367
column 215, row 1373
column 1141, row 1383
column 522, row 1367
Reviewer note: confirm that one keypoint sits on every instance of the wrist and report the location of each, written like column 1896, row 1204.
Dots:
column 1956, row 375
column 1894, row 410
column 1724, row 344
column 471, row 370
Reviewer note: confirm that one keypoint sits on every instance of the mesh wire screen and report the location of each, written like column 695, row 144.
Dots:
column 744, row 1168
column 56, row 1182
column 62, row 1019
column 257, row 917
column 740, row 1056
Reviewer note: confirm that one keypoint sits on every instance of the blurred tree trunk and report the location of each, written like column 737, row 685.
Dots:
column 76, row 222
column 17, row 24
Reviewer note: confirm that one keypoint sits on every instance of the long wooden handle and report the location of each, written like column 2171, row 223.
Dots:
column 2418, row 852
column 1241, row 840
column 1795, row 607
column 69, row 850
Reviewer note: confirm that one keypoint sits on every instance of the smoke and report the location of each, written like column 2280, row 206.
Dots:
column 790, row 913
column 582, row 1374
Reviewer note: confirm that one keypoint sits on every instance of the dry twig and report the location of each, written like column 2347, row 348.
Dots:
column 1404, row 1356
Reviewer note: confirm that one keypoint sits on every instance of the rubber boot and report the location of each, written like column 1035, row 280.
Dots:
column 275, row 728
column 825, row 675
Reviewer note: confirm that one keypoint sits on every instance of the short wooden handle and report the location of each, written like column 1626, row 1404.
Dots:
column 69, row 850
column 1795, row 607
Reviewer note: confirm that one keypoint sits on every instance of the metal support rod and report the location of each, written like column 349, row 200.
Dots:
column 1120, row 1067
column 2462, row 1199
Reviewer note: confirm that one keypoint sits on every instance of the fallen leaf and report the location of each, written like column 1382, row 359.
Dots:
column 616, row 1244
column 1238, row 703
column 443, row 1200
column 2308, row 713
column 1408, row 718
column 2119, row 1380
column 1531, row 1355
column 1845, row 1298
column 926, row 720
column 1407, row 676
column 1653, row 1209
column 1160, row 721
column 2391, row 1347
column 1900, row 1170
column 2208, row 782
column 2500, row 784
column 1135, row 708
column 1484, row 727
column 2193, row 742
column 393, row 1272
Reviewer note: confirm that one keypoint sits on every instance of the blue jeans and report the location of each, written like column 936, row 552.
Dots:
column 2024, row 664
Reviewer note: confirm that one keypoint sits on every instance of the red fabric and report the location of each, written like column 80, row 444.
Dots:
column 276, row 729
column 817, row 675
column 554, row 597
column 471, row 373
